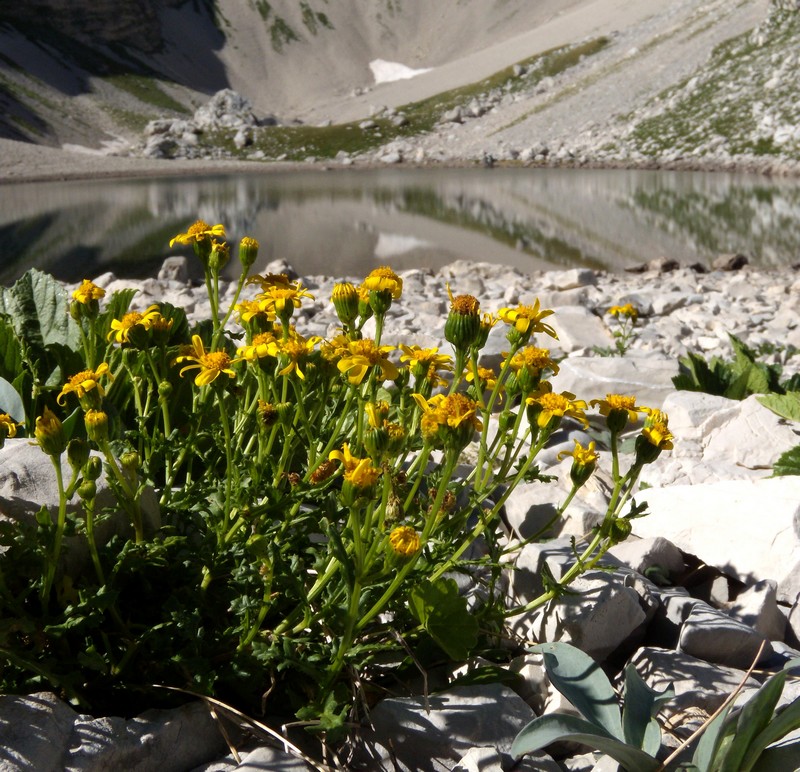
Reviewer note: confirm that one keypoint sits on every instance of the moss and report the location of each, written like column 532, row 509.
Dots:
column 281, row 33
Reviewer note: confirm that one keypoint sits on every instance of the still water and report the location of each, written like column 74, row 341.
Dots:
column 345, row 222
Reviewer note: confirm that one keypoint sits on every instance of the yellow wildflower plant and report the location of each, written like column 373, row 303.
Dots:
column 448, row 421
column 8, row 427
column 198, row 232
column 86, row 386
column 262, row 345
column 362, row 356
column 248, row 310
column 404, row 541
column 527, row 320
column 88, row 292
column 282, row 301
column 618, row 409
column 49, row 433
column 384, row 279
column 424, row 362
column 584, row 461
column 121, row 329
column 628, row 310
column 547, row 408
column 211, row 364
column 292, row 352
column 528, row 366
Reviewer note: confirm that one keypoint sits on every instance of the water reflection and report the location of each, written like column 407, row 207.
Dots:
column 344, row 222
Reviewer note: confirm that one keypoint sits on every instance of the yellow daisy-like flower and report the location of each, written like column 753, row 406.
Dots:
column 424, row 361
column 618, row 409
column 247, row 310
column 333, row 350
column 292, row 352
column 487, row 378
column 584, row 462
column 121, row 328
column 270, row 280
column 8, row 427
column 358, row 472
column 527, row 320
column 49, row 433
column 377, row 413
column 85, row 382
column 656, row 429
column 211, row 364
column 534, row 360
column 549, row 408
column 404, row 541
column 87, row 292
column 282, row 300
column 361, row 356
column 199, row 231
column 261, row 346
column 384, row 279
column 629, row 310
column 448, row 420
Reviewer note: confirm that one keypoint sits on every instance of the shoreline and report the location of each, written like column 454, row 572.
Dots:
column 25, row 162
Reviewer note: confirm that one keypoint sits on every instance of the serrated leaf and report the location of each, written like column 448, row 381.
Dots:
column 555, row 727
column 582, row 681
column 444, row 614
column 788, row 463
column 785, row 405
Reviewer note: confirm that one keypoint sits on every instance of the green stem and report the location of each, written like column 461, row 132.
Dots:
column 52, row 561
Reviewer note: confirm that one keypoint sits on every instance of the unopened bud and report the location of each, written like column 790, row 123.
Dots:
column 77, row 453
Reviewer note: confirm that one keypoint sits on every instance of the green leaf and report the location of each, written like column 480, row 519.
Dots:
column 779, row 758
column 752, row 719
column 785, row 405
column 712, row 739
column 11, row 353
column 443, row 613
column 788, row 463
column 640, row 708
column 582, row 681
column 554, row 727
column 784, row 721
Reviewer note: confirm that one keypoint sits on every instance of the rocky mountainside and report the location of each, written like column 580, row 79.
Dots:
column 692, row 82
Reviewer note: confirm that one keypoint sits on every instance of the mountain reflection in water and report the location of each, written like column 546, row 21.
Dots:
column 345, row 222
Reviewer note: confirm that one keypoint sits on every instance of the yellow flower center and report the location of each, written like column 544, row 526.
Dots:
column 216, row 360
column 130, row 320
column 465, row 305
column 198, row 228
column 620, row 402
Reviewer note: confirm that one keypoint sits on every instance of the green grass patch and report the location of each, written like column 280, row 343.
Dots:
column 147, row 90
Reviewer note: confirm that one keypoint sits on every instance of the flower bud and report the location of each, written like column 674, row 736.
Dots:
column 463, row 325
column 93, row 468
column 77, row 453
column 345, row 301
column 87, row 490
column 49, row 433
column 96, row 422
column 165, row 390
column 131, row 461
column 621, row 528
column 219, row 256
column 248, row 252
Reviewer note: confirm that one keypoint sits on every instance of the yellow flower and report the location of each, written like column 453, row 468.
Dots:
column 270, row 280
column 618, row 409
column 333, row 350
column 199, row 231
column 85, row 382
column 361, row 356
column 448, row 420
column 656, row 429
column 384, row 279
column 358, row 472
column 8, row 427
column 292, row 352
column 87, row 292
column 96, row 422
column 527, row 320
column 487, row 378
column 251, row 309
column 404, row 541
column 121, row 328
column 377, row 413
column 584, row 462
column 210, row 363
column 534, row 360
column 425, row 362
column 261, row 346
column 628, row 310
column 282, row 301
column 549, row 408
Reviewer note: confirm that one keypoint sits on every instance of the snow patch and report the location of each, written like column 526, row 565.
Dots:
column 393, row 244
column 386, row 72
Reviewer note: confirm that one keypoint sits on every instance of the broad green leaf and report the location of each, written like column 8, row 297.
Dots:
column 11, row 354
column 555, row 727
column 582, row 681
column 784, row 721
column 39, row 308
column 788, row 463
column 785, row 405
column 443, row 613
column 10, row 401
column 753, row 718
column 642, row 703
